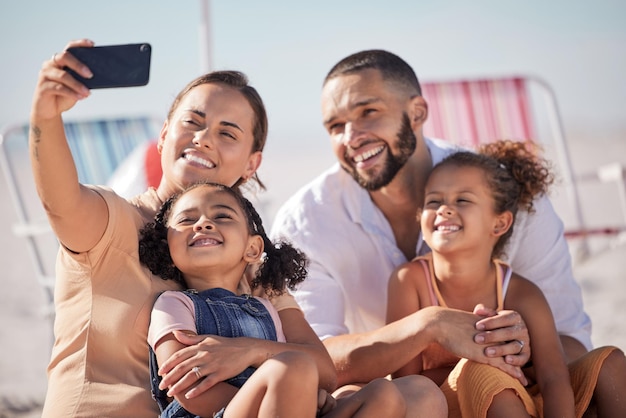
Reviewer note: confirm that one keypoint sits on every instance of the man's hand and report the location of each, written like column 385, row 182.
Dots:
column 505, row 335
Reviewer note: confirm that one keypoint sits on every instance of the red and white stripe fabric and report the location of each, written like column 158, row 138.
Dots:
column 140, row 170
column 471, row 112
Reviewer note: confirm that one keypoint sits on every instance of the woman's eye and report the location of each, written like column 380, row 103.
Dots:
column 229, row 135
column 190, row 122
column 335, row 128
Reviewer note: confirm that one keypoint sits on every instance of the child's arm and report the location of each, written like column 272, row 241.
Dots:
column 221, row 357
column 402, row 300
column 173, row 312
column 301, row 337
column 547, row 353
column 209, row 401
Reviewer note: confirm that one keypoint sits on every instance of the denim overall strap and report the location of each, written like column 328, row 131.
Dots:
column 219, row 312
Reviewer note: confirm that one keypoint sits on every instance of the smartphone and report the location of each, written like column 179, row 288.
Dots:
column 114, row 65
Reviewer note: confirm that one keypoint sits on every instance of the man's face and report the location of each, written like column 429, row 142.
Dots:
column 370, row 129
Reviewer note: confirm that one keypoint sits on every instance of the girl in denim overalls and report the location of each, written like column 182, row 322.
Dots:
column 206, row 237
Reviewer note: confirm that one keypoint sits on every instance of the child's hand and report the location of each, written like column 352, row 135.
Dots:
column 325, row 402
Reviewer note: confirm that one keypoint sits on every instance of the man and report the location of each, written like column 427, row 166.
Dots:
column 357, row 222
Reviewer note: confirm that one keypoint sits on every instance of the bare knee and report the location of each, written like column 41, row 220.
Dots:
column 612, row 374
column 385, row 393
column 610, row 394
column 615, row 364
column 507, row 403
column 422, row 396
column 289, row 383
column 293, row 364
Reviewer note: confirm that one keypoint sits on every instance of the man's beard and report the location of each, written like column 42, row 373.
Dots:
column 393, row 163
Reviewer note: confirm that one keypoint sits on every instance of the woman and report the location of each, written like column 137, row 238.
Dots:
column 215, row 131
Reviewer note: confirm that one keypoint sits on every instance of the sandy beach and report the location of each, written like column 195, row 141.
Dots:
column 26, row 331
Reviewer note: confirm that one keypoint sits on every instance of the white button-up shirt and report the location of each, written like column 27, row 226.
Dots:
column 352, row 252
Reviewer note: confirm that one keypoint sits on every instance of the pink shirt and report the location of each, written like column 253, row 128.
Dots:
column 175, row 311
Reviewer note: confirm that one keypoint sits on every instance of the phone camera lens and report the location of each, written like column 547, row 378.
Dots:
column 144, row 48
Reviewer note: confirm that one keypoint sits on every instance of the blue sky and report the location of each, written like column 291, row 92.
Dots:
column 286, row 48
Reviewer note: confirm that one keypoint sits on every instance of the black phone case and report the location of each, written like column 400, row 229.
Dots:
column 114, row 65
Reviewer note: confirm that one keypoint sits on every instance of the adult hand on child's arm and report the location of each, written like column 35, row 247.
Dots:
column 456, row 331
column 506, row 336
column 221, row 358
column 218, row 359
column 209, row 401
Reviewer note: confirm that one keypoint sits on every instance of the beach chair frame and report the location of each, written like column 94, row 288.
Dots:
column 98, row 147
column 474, row 111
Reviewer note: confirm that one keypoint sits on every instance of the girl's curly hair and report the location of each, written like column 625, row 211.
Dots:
column 514, row 172
column 282, row 264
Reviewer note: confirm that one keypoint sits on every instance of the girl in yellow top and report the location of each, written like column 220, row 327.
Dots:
column 470, row 205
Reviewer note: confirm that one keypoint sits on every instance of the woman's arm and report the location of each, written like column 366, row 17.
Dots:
column 221, row 358
column 77, row 214
column 547, row 353
column 209, row 401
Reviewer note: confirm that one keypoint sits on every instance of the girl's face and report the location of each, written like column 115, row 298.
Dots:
column 209, row 240
column 209, row 137
column 458, row 210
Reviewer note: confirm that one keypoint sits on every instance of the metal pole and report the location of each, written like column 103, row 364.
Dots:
column 204, row 35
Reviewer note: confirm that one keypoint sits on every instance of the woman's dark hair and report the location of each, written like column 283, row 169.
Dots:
column 514, row 172
column 238, row 81
column 282, row 264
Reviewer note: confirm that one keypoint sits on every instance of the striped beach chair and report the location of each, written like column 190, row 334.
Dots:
column 471, row 112
column 98, row 147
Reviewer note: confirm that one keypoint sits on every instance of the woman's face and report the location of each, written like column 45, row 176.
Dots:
column 209, row 137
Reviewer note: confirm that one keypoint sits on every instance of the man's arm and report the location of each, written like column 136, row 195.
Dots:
column 339, row 276
column 220, row 358
column 363, row 357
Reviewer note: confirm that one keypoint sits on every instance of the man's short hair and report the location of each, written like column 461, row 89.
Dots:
column 391, row 67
